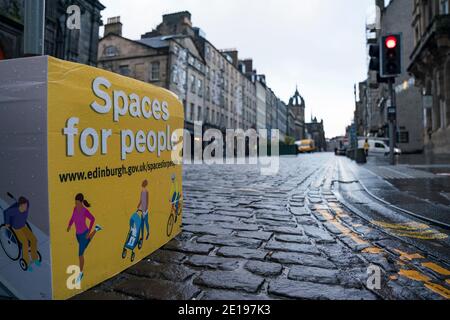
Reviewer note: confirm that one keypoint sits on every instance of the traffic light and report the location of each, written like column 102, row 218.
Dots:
column 374, row 53
column 391, row 59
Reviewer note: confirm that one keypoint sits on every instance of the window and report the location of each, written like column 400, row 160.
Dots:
column 139, row 72
column 124, row 70
column 379, row 145
column 403, row 137
column 111, row 51
column 207, row 114
column 193, row 84
column 175, row 74
column 199, row 113
column 154, row 73
column 208, row 93
column 191, row 116
column 445, row 7
column 200, row 87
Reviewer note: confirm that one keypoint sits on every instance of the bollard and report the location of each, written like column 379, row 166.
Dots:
column 361, row 156
column 88, row 187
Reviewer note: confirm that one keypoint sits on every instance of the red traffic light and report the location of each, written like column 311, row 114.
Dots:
column 391, row 42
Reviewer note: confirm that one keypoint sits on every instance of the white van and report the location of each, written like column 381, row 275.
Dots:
column 377, row 147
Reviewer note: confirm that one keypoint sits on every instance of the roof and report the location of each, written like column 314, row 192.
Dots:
column 156, row 42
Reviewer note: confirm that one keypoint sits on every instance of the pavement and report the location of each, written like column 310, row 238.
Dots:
column 310, row 232
column 419, row 187
column 313, row 231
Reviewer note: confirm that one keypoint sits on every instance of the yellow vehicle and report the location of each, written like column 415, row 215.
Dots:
column 306, row 146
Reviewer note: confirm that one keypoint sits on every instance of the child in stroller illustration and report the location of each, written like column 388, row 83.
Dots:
column 16, row 236
column 135, row 237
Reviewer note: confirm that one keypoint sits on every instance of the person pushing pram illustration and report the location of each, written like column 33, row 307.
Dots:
column 143, row 207
column 176, row 202
column 17, row 238
column 138, row 222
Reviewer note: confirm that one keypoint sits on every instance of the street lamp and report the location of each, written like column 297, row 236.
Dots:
column 34, row 26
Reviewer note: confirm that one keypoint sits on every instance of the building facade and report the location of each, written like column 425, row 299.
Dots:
column 216, row 87
column 430, row 65
column 296, row 117
column 315, row 131
column 72, row 45
column 371, row 108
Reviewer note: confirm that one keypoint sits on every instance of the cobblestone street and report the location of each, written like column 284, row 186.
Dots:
column 247, row 236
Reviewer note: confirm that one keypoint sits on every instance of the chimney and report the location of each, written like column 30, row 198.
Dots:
column 113, row 26
column 380, row 4
column 248, row 65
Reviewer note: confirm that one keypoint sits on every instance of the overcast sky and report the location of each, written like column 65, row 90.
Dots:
column 318, row 45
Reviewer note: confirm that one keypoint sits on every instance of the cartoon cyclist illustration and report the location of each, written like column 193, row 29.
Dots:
column 83, row 233
column 16, row 220
column 143, row 207
column 176, row 201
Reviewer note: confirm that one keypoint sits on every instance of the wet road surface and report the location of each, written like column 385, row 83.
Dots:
column 289, row 236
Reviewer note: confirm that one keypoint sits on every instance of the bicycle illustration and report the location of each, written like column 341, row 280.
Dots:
column 9, row 240
column 175, row 212
column 176, row 202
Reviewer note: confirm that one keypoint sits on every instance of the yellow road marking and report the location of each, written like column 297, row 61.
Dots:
column 408, row 256
column 438, row 289
column 436, row 268
column 341, row 228
column 373, row 250
column 414, row 275
column 412, row 230
column 402, row 226
column 417, row 276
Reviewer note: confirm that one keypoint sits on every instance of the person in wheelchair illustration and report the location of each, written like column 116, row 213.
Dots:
column 176, row 201
column 16, row 236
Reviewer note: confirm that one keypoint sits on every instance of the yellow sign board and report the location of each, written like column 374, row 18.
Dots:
column 114, row 192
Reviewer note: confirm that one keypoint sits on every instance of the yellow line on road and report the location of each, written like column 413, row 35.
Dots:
column 412, row 230
column 414, row 275
column 408, row 256
column 436, row 268
column 344, row 230
column 373, row 250
column 438, row 289
column 417, row 276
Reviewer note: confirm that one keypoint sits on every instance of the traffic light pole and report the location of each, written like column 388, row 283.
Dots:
column 34, row 26
column 392, row 113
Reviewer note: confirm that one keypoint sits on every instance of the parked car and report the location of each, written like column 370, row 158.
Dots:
column 340, row 151
column 377, row 147
column 306, row 146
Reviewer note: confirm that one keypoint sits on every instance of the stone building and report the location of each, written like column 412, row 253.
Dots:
column 396, row 18
column 371, row 107
column 430, row 65
column 172, row 62
column 315, row 131
column 215, row 86
column 73, row 45
column 296, row 117
column 361, row 113
column 282, row 119
column 261, row 89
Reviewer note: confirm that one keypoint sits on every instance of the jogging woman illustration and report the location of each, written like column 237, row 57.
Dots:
column 83, row 233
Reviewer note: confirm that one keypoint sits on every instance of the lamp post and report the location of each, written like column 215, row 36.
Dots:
column 34, row 26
